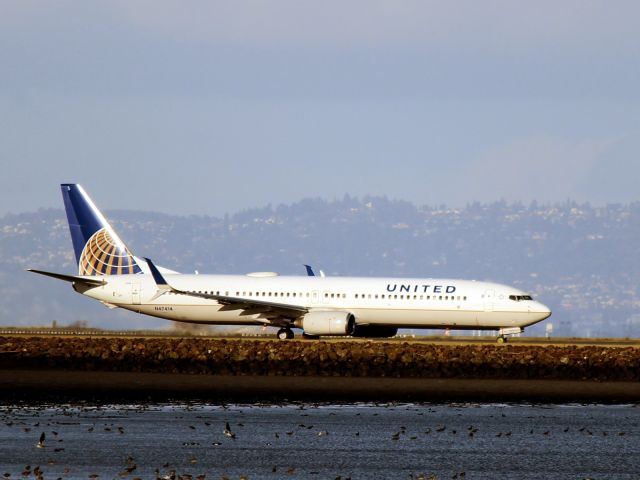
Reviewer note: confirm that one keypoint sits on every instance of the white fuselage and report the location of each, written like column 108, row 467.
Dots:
column 396, row 302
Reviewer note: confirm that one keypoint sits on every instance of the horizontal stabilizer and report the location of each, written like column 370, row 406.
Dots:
column 71, row 278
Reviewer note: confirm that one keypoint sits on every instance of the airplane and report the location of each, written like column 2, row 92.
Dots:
column 318, row 305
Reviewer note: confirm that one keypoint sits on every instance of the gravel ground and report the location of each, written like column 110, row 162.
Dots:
column 321, row 358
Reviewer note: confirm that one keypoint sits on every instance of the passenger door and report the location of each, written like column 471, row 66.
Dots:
column 135, row 293
column 489, row 296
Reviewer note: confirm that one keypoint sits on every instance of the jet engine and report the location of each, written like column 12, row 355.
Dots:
column 374, row 331
column 328, row 322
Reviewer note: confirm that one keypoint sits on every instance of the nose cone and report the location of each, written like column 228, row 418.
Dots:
column 540, row 311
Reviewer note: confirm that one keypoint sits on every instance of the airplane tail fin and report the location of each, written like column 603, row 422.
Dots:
column 98, row 249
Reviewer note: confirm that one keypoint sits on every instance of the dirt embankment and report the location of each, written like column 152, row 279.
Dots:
column 320, row 358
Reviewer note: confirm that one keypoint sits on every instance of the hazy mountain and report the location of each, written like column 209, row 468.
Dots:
column 582, row 261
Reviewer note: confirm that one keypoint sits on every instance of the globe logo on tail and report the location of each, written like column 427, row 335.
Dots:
column 103, row 256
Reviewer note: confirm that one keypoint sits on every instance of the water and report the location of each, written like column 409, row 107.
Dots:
column 324, row 441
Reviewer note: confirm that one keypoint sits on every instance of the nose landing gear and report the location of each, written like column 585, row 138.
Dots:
column 503, row 332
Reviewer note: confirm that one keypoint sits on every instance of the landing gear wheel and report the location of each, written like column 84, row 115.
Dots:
column 501, row 339
column 285, row 334
column 306, row 336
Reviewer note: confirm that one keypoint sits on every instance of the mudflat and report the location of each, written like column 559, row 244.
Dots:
column 58, row 385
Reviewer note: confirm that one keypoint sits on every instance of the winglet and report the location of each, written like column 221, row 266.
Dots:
column 161, row 283
column 157, row 276
column 311, row 273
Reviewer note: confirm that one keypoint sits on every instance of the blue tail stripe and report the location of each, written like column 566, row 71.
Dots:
column 82, row 221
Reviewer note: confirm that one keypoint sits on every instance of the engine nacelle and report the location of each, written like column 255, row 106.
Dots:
column 328, row 322
column 374, row 331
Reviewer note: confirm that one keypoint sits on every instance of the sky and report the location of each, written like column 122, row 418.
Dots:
column 207, row 107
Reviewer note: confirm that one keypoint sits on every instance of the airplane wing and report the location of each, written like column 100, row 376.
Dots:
column 90, row 282
column 270, row 311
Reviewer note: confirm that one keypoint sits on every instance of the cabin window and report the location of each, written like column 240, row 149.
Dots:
column 440, row 297
column 382, row 296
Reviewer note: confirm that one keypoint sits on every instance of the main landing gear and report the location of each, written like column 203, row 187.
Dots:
column 285, row 334
column 502, row 339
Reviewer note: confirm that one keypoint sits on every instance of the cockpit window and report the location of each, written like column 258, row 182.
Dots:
column 520, row 298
